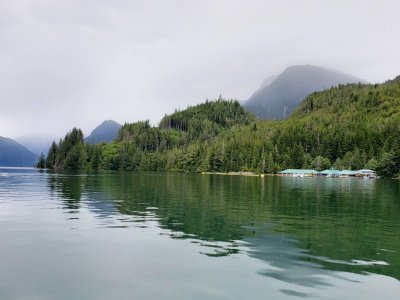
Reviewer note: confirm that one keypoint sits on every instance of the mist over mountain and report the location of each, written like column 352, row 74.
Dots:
column 105, row 132
column 13, row 154
column 37, row 143
column 279, row 96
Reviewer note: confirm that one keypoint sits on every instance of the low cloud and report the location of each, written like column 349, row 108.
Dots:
column 77, row 63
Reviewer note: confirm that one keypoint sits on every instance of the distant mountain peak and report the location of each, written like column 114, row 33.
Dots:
column 109, row 122
column 326, row 71
column 107, row 131
column 37, row 143
column 279, row 98
column 397, row 79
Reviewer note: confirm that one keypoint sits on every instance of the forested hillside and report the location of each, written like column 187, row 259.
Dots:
column 348, row 127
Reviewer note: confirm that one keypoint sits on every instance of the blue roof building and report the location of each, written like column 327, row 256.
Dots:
column 299, row 172
column 330, row 173
column 363, row 173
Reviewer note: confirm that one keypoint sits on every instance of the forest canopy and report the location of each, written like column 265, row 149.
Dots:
column 350, row 126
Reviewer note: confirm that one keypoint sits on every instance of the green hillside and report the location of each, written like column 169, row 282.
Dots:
column 351, row 126
column 198, row 123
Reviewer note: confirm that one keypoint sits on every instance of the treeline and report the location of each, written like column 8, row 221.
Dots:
column 347, row 127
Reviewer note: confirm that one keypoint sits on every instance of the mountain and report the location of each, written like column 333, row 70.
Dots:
column 105, row 132
column 37, row 143
column 281, row 96
column 13, row 154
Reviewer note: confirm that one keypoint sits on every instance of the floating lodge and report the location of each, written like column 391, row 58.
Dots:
column 363, row 173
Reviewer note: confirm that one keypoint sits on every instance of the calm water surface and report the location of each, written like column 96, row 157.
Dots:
column 190, row 236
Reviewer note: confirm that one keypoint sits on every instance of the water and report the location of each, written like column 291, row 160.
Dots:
column 190, row 236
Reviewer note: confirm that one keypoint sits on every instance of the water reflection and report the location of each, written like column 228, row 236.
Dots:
column 69, row 187
column 302, row 228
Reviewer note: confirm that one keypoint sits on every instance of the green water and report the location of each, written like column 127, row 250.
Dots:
column 191, row 236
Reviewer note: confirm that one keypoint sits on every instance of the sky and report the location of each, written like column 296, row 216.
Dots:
column 76, row 63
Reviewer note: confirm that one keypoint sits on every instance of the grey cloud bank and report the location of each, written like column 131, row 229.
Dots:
column 77, row 63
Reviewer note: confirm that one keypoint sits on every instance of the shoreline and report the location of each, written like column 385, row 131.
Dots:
column 252, row 174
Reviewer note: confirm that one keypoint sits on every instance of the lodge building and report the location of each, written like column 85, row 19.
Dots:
column 363, row 173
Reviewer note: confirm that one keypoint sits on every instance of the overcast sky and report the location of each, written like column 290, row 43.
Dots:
column 66, row 63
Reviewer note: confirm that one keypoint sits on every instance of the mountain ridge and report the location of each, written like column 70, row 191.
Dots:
column 279, row 98
column 36, row 143
column 13, row 154
column 106, row 132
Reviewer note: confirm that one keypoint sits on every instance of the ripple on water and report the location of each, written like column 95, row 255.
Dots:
column 204, row 236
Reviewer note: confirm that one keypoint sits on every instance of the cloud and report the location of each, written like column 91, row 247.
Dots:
column 77, row 63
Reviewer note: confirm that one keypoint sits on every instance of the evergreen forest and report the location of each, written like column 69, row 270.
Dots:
column 351, row 126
